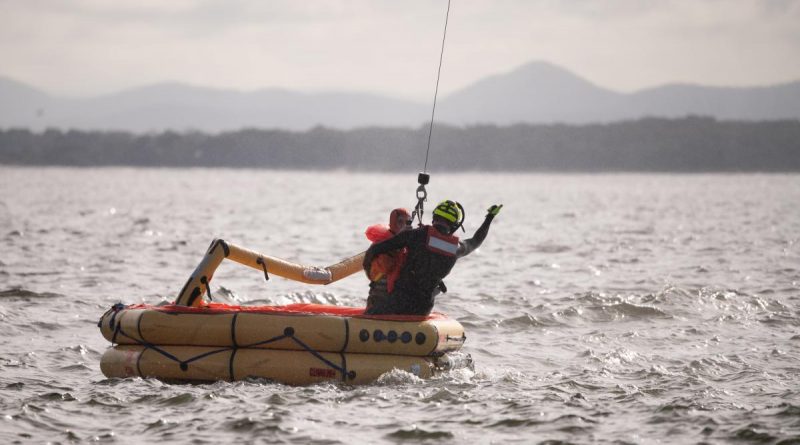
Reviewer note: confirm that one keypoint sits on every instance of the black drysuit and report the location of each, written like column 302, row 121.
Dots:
column 431, row 256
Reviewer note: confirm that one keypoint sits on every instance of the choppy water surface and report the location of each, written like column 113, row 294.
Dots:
column 602, row 308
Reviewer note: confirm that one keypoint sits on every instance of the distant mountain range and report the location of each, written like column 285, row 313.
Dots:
column 537, row 92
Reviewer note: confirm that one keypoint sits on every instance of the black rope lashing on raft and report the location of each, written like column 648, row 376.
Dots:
column 288, row 333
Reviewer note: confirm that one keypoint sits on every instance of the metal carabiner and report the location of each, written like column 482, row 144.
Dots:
column 422, row 194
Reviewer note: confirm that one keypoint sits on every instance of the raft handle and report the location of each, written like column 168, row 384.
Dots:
column 204, row 282
column 263, row 264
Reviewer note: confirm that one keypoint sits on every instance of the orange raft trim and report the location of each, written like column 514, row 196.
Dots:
column 303, row 327
column 289, row 309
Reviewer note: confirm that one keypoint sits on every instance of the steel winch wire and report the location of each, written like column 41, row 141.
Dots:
column 423, row 178
column 436, row 91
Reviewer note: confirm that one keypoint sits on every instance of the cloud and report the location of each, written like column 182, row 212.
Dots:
column 392, row 47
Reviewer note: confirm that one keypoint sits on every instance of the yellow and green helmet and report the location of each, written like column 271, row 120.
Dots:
column 449, row 211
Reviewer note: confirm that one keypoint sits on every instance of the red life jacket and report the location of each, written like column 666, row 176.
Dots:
column 388, row 264
column 378, row 232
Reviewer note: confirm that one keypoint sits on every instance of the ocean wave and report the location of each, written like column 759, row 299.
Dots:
column 161, row 425
column 516, row 422
column 788, row 410
column 756, row 433
column 443, row 395
column 178, row 399
column 398, row 377
column 681, row 405
column 104, row 401
column 528, row 320
column 715, row 366
column 626, row 309
column 57, row 396
column 550, row 248
column 78, row 367
column 619, row 358
column 416, row 433
column 20, row 292
column 241, row 424
column 610, row 312
column 464, row 375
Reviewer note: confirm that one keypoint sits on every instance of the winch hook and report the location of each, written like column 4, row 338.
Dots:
column 422, row 195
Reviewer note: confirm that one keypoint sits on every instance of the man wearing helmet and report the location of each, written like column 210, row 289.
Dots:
column 431, row 252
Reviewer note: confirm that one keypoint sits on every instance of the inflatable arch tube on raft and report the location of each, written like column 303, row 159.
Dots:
column 197, row 285
column 292, row 327
column 203, row 364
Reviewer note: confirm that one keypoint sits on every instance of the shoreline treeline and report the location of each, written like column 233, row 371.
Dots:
column 691, row 144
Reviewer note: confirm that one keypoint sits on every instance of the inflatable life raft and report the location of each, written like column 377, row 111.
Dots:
column 294, row 344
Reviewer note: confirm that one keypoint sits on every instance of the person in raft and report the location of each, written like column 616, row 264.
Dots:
column 385, row 268
column 431, row 252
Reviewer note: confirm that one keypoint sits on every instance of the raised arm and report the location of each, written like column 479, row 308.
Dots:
column 467, row 246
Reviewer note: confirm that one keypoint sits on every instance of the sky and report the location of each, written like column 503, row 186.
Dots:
column 82, row 48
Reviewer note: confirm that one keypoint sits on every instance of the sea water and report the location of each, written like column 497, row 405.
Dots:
column 605, row 308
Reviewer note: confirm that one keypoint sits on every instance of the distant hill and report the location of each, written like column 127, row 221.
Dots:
column 755, row 103
column 21, row 105
column 543, row 93
column 181, row 107
column 534, row 93
column 537, row 92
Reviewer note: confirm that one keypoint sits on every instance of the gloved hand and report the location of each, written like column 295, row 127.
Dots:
column 494, row 210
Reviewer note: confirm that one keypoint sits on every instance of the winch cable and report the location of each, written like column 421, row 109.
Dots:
column 423, row 178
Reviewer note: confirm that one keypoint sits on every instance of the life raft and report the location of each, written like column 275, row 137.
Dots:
column 197, row 340
column 295, row 344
